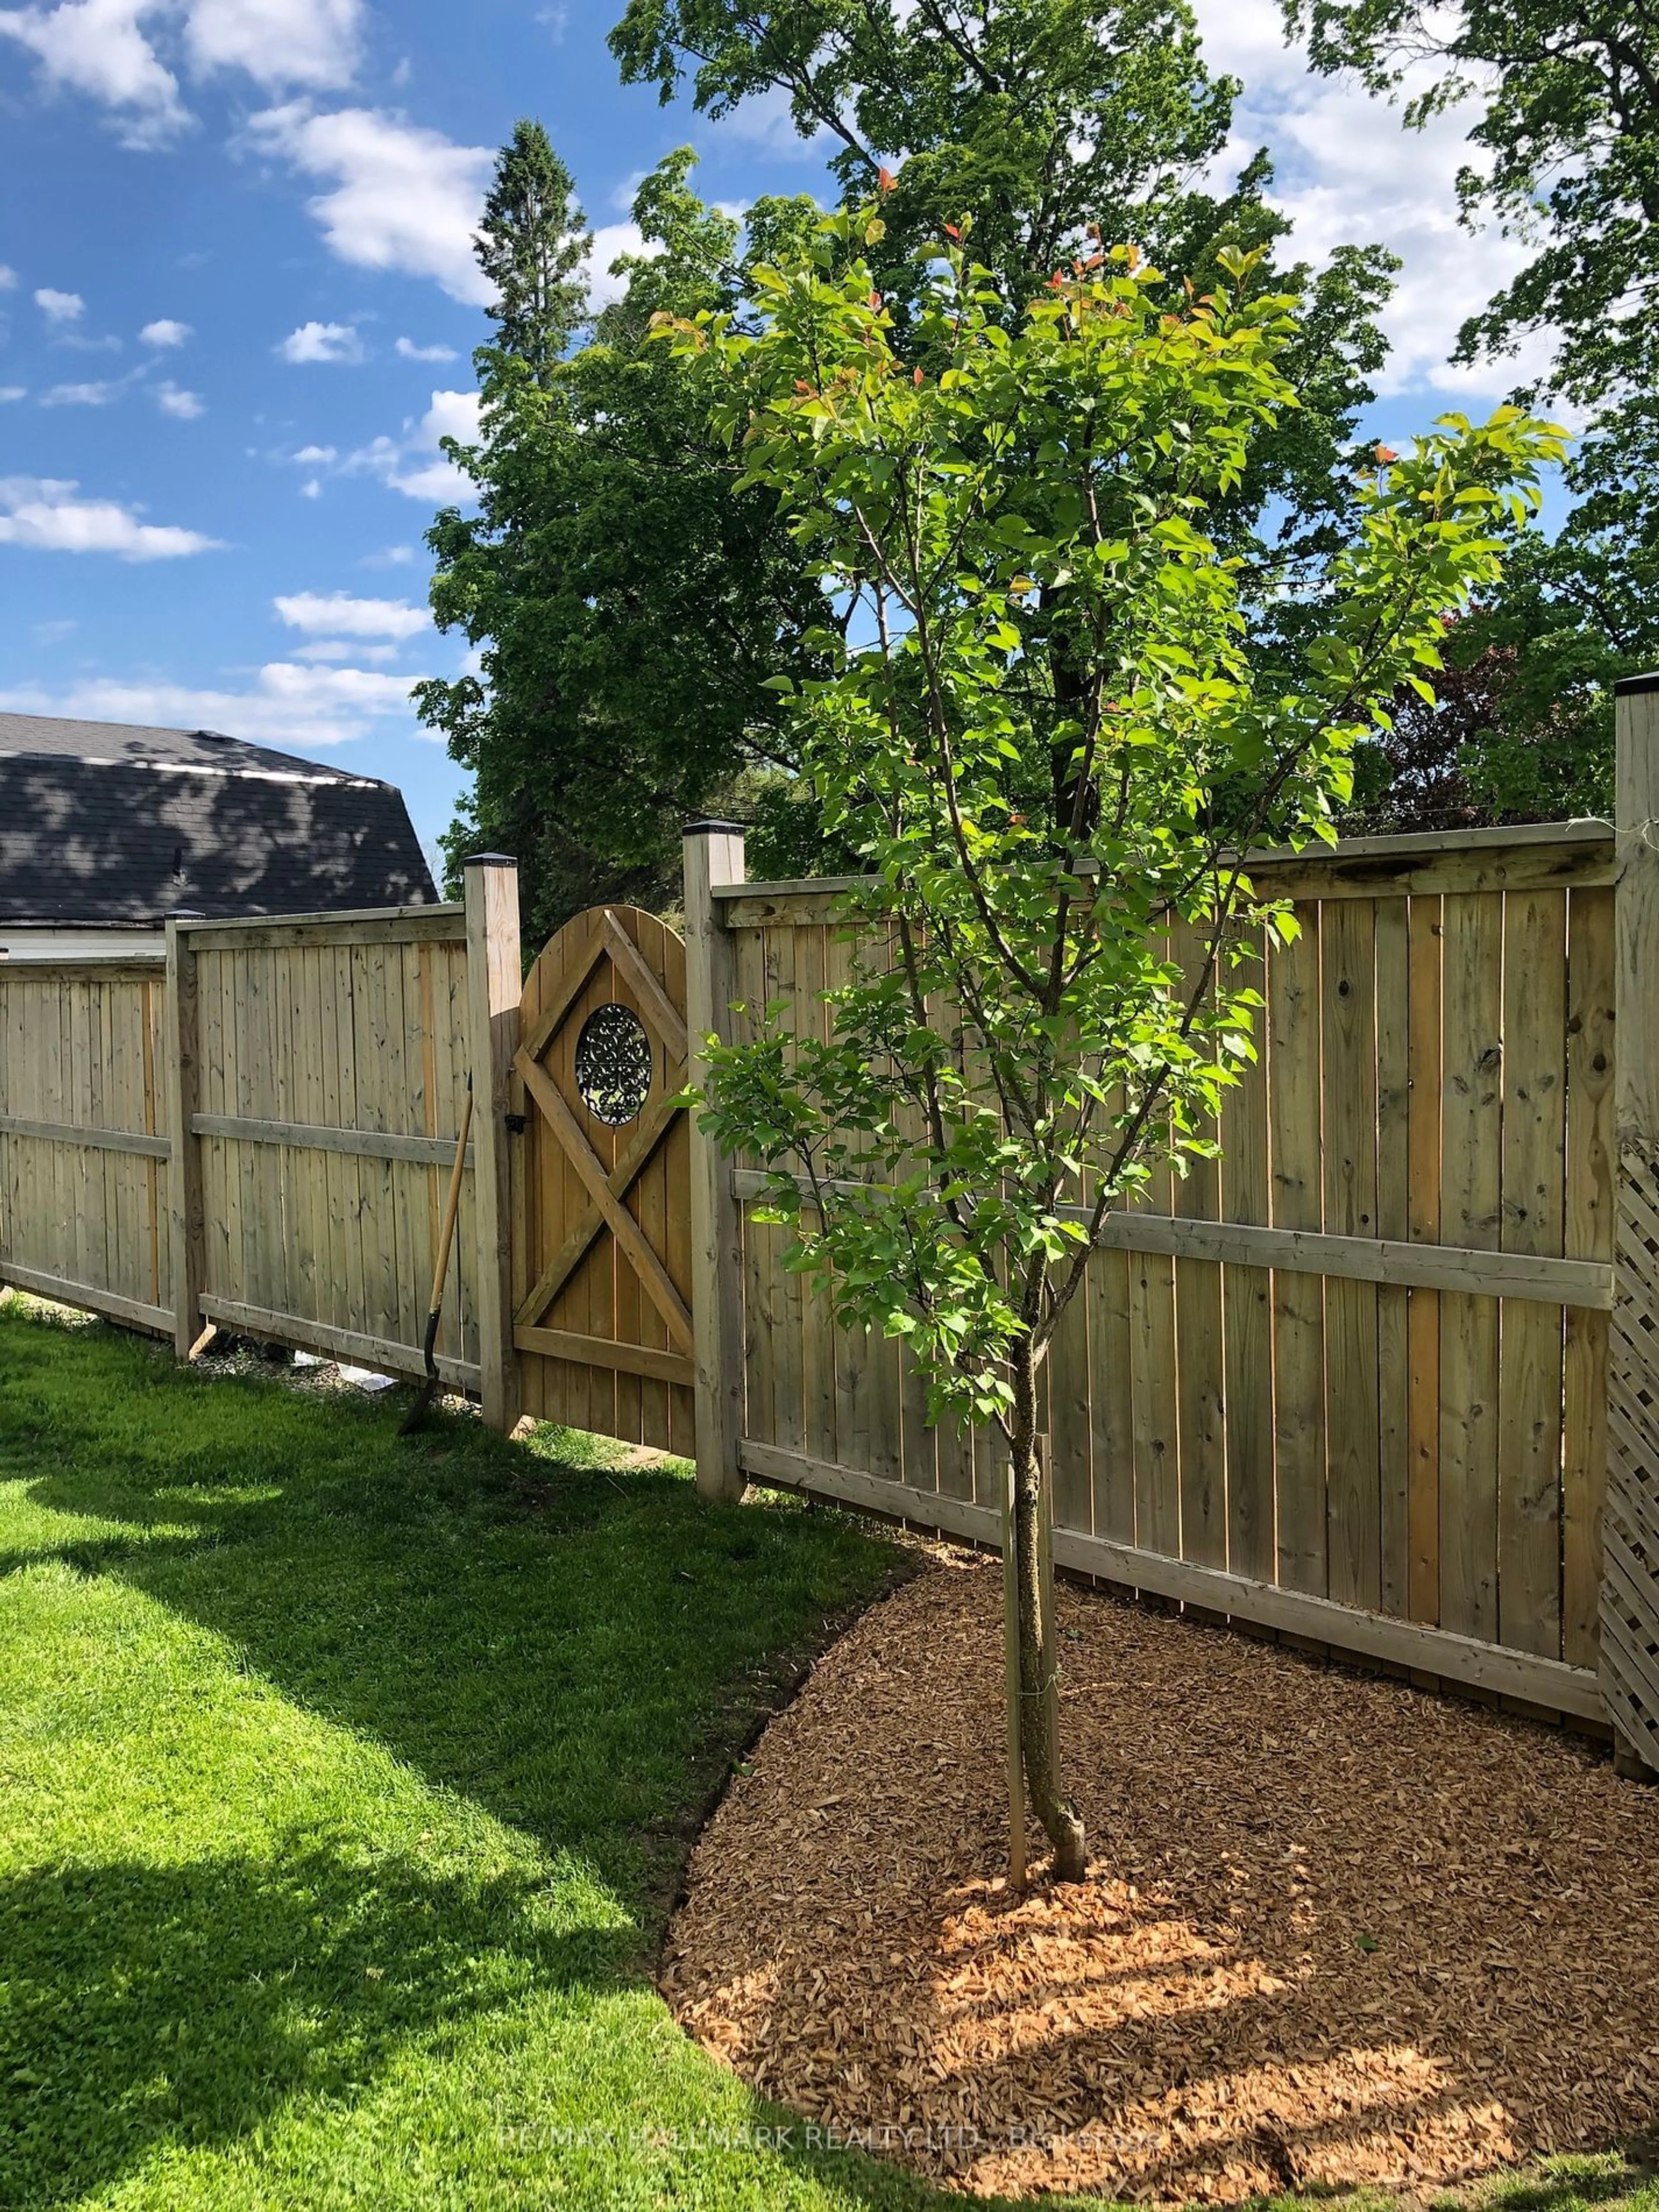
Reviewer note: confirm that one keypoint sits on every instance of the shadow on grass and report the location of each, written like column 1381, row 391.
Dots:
column 577, row 1650
column 187, row 2005
column 1571, row 2184
column 580, row 1651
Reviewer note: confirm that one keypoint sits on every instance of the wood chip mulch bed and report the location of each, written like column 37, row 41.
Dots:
column 1338, row 1931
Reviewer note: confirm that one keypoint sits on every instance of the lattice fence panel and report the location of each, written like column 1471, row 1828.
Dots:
column 1630, row 1587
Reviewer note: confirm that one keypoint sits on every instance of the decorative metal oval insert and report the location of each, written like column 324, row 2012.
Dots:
column 614, row 1064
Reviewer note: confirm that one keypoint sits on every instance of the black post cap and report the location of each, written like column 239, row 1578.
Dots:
column 1626, row 687
column 491, row 861
column 708, row 827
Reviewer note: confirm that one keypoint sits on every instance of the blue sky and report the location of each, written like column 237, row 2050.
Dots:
column 238, row 305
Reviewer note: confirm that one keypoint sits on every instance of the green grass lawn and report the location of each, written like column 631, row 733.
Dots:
column 344, row 1785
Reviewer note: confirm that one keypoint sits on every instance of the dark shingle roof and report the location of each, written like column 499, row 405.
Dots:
column 105, row 822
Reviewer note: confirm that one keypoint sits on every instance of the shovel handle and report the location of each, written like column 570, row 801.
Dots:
column 447, row 1233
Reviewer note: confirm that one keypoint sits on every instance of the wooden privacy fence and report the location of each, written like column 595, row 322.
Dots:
column 1348, row 1381
column 85, row 1138
column 1386, row 1376
column 1352, row 1382
column 255, row 1132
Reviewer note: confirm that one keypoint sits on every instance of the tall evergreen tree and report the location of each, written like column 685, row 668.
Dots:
column 531, row 245
column 628, row 604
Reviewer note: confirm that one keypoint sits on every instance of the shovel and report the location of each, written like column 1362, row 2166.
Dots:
column 417, row 1414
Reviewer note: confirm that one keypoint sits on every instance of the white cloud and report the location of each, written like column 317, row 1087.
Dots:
column 610, row 242
column 287, row 703
column 10, row 392
column 85, row 395
column 279, row 42
column 389, row 557
column 8, row 278
column 1348, row 173
column 408, row 198
column 401, row 196
column 96, row 47
column 336, row 614
column 340, row 648
column 764, row 121
column 311, row 490
column 434, row 483
column 311, row 457
column 407, row 349
column 106, row 49
column 60, row 307
column 183, row 406
column 45, row 515
column 413, row 462
column 451, row 414
column 328, row 342
column 165, row 333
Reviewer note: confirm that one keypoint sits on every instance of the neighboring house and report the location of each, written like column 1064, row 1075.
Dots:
column 105, row 829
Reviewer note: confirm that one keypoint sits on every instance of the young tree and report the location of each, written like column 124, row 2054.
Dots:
column 1049, row 738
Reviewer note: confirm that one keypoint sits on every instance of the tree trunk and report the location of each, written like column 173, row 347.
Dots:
column 1039, row 1652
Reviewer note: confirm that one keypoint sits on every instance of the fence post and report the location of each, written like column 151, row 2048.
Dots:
column 185, row 1159
column 495, row 985
column 713, row 854
column 1630, row 1519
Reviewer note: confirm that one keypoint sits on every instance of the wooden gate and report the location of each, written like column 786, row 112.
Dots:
column 601, row 1183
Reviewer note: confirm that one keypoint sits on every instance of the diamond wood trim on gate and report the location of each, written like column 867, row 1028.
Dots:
column 630, row 1238
column 652, row 1127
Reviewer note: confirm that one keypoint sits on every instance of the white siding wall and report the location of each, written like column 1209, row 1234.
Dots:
column 78, row 943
